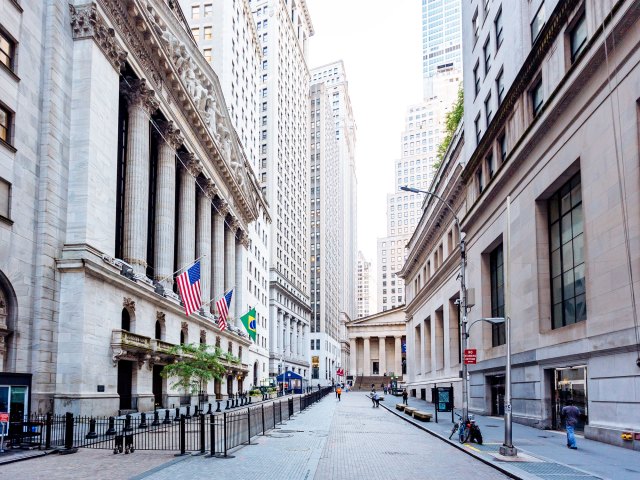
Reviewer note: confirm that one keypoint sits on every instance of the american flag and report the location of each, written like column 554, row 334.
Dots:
column 223, row 309
column 189, row 286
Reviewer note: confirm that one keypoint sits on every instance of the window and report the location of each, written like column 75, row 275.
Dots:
column 486, row 49
column 478, row 129
column 208, row 33
column 502, row 147
column 208, row 9
column 496, row 267
column 476, row 77
column 480, row 180
column 537, row 24
column 490, row 165
column 500, row 86
column 207, row 54
column 313, row 343
column 5, row 124
column 195, row 12
column 578, row 37
column 476, row 26
column 566, row 249
column 537, row 98
column 196, row 33
column 488, row 109
column 7, row 50
column 498, row 26
column 5, row 199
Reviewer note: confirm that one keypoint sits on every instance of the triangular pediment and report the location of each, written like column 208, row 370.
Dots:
column 393, row 316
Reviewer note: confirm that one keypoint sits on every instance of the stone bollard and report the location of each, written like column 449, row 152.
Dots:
column 167, row 420
column 92, row 429
column 143, row 420
column 156, row 418
column 112, row 427
column 127, row 423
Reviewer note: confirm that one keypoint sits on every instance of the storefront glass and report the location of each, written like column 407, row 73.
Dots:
column 570, row 384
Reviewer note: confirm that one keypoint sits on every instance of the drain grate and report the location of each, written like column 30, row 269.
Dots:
column 554, row 471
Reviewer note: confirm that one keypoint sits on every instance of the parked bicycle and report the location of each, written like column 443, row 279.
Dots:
column 467, row 431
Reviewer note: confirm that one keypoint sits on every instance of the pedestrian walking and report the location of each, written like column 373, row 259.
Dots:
column 405, row 397
column 376, row 399
column 373, row 394
column 338, row 392
column 571, row 415
column 384, row 389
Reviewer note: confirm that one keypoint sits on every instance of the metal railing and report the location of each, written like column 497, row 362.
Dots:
column 173, row 430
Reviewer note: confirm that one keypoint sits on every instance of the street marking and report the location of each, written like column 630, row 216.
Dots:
column 472, row 448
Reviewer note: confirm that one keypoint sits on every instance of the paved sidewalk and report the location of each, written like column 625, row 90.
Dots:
column 337, row 440
column 547, row 448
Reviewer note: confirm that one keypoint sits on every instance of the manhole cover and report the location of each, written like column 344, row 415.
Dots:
column 279, row 435
column 290, row 431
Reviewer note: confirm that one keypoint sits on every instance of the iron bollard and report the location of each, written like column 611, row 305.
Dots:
column 68, row 434
column 92, row 429
column 177, row 418
column 209, row 411
column 227, row 408
column 127, row 423
column 195, row 412
column 183, row 431
column 188, row 415
column 112, row 426
column 143, row 420
column 249, row 400
column 167, row 420
column 47, row 442
column 212, row 434
column 156, row 418
column 202, row 436
column 218, row 402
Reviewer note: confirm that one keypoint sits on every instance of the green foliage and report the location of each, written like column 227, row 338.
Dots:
column 255, row 392
column 229, row 357
column 452, row 120
column 195, row 366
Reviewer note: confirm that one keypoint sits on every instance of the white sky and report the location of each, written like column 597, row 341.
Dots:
column 380, row 43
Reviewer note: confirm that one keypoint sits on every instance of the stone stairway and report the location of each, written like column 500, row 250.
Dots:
column 364, row 383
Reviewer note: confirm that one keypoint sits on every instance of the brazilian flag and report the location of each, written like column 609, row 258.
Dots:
column 249, row 322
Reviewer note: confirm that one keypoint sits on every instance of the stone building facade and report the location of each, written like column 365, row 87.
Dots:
column 551, row 121
column 123, row 168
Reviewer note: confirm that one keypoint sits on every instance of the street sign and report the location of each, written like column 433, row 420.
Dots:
column 470, row 356
column 4, row 417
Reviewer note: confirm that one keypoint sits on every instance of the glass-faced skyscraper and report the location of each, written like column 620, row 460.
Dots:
column 441, row 40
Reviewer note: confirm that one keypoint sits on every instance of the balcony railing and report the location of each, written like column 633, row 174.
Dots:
column 130, row 341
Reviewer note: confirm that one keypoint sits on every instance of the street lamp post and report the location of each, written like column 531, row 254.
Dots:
column 463, row 295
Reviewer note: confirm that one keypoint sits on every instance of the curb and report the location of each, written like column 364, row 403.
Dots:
column 456, row 445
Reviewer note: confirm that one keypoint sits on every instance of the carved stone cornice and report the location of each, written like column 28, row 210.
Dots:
column 138, row 94
column 168, row 133
column 86, row 22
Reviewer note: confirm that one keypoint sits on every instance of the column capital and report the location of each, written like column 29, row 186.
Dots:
column 209, row 189
column 86, row 22
column 192, row 164
column 233, row 223
column 138, row 94
column 243, row 237
column 169, row 133
column 221, row 206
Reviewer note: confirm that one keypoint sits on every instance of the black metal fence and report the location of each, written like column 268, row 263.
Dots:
column 173, row 430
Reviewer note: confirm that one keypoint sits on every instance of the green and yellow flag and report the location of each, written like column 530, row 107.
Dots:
column 249, row 322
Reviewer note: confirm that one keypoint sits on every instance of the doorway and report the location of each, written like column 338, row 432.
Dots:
column 376, row 368
column 570, row 384
column 229, row 385
column 157, row 386
column 125, row 377
column 496, row 383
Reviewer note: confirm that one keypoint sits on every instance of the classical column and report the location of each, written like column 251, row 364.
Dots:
column 230, row 262
column 398, row 362
column 203, row 242
column 382, row 354
column 367, row 357
column 220, row 209
column 279, row 328
column 141, row 103
column 285, row 326
column 191, row 167
column 353, row 356
column 169, row 139
column 298, row 338
column 242, row 242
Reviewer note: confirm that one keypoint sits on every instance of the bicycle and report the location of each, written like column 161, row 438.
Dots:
column 461, row 428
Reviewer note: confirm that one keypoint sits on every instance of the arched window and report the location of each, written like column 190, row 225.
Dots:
column 182, row 337
column 158, row 330
column 125, row 322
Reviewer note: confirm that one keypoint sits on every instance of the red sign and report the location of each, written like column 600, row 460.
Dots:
column 340, row 372
column 470, row 356
column 4, row 417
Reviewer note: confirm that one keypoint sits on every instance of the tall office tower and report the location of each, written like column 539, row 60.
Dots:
column 423, row 132
column 363, row 286
column 333, row 75
column 325, row 238
column 284, row 28
column 227, row 36
column 441, row 40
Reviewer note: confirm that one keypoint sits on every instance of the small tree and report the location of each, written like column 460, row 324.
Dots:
column 452, row 120
column 195, row 367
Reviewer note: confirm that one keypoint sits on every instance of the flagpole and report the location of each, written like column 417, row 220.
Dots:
column 182, row 268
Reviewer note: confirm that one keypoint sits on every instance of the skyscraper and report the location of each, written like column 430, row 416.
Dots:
column 333, row 216
column 363, row 286
column 441, row 40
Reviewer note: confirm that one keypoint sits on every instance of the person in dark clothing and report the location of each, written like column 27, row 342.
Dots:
column 571, row 415
column 405, row 397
